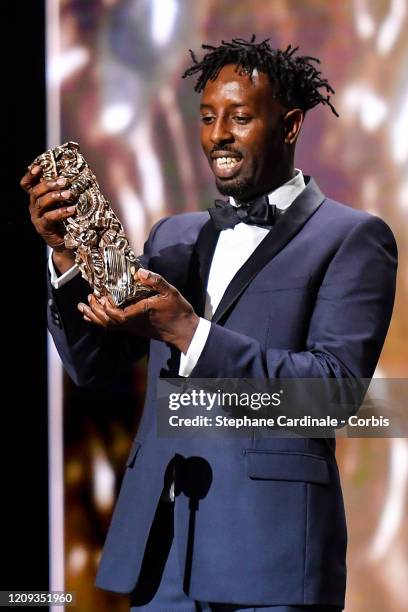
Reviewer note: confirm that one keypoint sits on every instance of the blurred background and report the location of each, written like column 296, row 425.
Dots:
column 114, row 85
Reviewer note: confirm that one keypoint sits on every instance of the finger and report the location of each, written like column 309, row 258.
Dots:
column 112, row 311
column 47, row 186
column 60, row 214
column 110, row 299
column 53, row 198
column 138, row 309
column 99, row 311
column 153, row 280
column 31, row 178
column 89, row 316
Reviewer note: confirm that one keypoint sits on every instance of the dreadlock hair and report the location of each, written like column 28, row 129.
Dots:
column 295, row 79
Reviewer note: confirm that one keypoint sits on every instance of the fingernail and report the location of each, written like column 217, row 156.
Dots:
column 143, row 273
column 66, row 194
column 71, row 209
column 89, row 298
column 35, row 170
column 81, row 307
column 51, row 183
column 62, row 181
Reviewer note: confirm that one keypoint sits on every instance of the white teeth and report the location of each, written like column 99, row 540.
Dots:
column 230, row 162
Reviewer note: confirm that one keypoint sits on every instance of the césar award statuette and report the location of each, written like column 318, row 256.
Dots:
column 94, row 232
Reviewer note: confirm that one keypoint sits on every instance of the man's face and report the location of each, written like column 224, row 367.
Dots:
column 242, row 133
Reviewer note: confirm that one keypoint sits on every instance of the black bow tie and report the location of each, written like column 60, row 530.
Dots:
column 258, row 212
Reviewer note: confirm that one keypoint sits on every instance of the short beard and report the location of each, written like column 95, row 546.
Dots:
column 237, row 190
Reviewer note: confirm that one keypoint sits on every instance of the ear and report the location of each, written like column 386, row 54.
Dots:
column 292, row 123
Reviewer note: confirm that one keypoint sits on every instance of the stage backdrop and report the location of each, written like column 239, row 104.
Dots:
column 114, row 86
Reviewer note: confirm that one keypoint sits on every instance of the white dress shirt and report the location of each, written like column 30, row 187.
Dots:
column 59, row 281
column 234, row 247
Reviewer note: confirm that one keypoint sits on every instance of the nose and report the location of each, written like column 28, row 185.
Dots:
column 220, row 132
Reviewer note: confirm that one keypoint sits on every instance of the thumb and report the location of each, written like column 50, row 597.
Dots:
column 153, row 280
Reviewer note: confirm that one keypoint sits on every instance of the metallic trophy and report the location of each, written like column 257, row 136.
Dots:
column 94, row 232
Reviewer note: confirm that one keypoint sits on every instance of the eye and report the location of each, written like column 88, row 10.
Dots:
column 207, row 119
column 242, row 119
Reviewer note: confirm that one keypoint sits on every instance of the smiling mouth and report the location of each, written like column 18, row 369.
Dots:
column 226, row 167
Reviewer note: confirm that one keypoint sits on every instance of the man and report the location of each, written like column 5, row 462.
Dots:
column 279, row 282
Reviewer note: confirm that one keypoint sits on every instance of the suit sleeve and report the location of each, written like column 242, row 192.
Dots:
column 92, row 356
column 347, row 327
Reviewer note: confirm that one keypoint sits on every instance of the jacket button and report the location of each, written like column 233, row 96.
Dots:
column 52, row 306
column 56, row 319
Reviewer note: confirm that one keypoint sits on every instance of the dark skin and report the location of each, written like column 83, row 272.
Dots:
column 240, row 120
column 245, row 120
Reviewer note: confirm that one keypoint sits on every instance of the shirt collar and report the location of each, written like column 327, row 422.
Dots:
column 287, row 193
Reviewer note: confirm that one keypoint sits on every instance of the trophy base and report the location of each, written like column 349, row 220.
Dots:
column 119, row 277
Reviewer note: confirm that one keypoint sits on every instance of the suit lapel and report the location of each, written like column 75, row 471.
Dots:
column 195, row 288
column 283, row 231
column 199, row 267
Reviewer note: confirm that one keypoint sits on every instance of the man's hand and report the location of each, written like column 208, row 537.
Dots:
column 166, row 316
column 49, row 205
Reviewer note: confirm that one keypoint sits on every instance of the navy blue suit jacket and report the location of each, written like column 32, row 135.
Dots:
column 314, row 300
